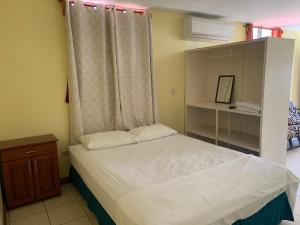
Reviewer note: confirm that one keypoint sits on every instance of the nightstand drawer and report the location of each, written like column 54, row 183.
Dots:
column 20, row 153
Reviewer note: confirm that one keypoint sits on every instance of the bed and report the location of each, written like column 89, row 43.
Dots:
column 181, row 180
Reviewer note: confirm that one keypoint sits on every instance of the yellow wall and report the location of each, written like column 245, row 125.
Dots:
column 295, row 91
column 33, row 70
column 169, row 64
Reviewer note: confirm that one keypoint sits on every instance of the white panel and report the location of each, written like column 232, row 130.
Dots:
column 278, row 71
column 196, row 79
column 252, row 79
column 230, row 65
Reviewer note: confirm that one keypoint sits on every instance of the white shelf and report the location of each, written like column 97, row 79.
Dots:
column 244, row 140
column 221, row 107
column 205, row 131
column 258, row 79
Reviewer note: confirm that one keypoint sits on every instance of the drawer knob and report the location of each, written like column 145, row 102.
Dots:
column 29, row 152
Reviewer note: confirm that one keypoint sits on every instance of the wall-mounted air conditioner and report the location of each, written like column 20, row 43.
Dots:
column 196, row 29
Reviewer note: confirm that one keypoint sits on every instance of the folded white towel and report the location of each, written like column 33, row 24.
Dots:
column 248, row 106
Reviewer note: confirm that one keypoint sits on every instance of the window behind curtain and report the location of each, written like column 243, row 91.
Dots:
column 255, row 32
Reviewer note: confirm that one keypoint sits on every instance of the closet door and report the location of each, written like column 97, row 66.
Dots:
column 46, row 175
column 18, row 182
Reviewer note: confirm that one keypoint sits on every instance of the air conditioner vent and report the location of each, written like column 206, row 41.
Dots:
column 201, row 29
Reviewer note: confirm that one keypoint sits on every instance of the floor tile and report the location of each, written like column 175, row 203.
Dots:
column 297, row 150
column 297, row 207
column 93, row 219
column 293, row 157
column 81, row 221
column 83, row 204
column 296, row 222
column 295, row 168
column 293, row 163
column 26, row 210
column 7, row 217
column 298, row 191
column 69, row 186
column 66, row 213
column 76, row 193
column 74, row 190
column 65, row 198
column 37, row 219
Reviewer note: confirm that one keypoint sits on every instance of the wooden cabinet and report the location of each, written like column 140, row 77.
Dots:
column 18, row 182
column 29, row 169
column 45, row 175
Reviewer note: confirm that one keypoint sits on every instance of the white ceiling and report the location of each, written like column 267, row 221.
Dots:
column 269, row 13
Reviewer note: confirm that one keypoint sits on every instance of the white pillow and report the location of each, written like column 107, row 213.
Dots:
column 152, row 132
column 104, row 140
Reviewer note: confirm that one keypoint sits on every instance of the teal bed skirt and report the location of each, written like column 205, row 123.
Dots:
column 272, row 214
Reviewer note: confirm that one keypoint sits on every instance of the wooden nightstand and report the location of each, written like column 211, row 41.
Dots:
column 29, row 169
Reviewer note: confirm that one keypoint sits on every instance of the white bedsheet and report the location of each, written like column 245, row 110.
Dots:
column 180, row 180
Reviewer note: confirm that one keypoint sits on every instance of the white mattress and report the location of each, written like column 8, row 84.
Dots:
column 129, row 181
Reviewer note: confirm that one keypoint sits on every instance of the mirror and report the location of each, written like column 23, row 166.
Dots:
column 224, row 89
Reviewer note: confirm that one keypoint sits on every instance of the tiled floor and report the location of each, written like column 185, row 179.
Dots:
column 67, row 209
column 71, row 209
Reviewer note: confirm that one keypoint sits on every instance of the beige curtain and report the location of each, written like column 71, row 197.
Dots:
column 110, row 79
column 134, row 57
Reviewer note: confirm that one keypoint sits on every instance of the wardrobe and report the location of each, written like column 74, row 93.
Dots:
column 262, row 69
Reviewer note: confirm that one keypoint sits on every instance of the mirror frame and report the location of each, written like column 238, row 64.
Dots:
column 231, row 91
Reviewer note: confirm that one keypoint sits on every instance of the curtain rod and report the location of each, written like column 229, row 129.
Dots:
column 90, row 4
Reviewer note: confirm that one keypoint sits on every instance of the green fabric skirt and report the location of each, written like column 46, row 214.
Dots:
column 272, row 214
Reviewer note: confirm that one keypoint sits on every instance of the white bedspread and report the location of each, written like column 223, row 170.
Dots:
column 180, row 180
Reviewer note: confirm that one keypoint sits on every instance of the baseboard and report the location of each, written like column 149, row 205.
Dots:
column 65, row 180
